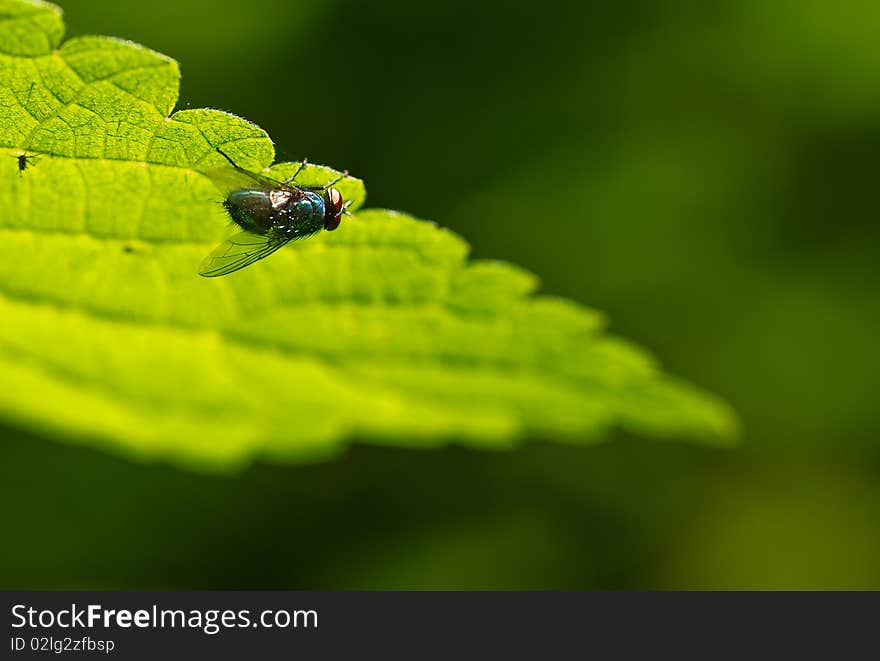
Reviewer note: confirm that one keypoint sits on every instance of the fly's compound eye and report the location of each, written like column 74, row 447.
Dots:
column 336, row 203
column 335, row 208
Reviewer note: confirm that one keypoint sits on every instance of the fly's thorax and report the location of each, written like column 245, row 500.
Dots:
column 306, row 215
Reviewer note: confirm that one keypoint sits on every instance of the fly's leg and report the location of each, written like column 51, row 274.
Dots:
column 231, row 162
column 331, row 184
column 296, row 174
column 263, row 180
column 338, row 179
column 259, row 179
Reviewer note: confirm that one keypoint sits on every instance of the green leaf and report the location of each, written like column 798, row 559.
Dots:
column 382, row 331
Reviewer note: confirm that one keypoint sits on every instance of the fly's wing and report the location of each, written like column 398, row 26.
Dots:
column 228, row 179
column 240, row 250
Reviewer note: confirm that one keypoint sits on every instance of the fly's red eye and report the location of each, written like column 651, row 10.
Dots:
column 335, row 207
column 334, row 197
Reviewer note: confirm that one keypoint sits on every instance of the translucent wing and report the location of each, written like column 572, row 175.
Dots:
column 240, row 250
column 228, row 179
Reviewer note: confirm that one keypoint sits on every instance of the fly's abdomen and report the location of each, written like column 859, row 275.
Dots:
column 251, row 210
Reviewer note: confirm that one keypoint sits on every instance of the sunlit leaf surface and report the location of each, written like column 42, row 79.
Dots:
column 382, row 331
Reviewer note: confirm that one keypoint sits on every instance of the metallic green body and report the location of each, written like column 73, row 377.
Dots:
column 291, row 212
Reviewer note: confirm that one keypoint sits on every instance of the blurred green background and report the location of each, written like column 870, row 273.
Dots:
column 715, row 173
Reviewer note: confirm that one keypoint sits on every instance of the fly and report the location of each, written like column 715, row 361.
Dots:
column 271, row 214
column 24, row 162
column 23, row 159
